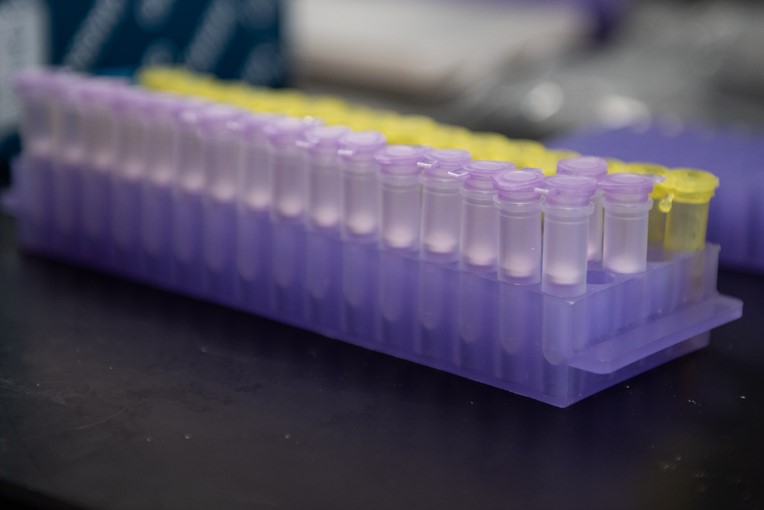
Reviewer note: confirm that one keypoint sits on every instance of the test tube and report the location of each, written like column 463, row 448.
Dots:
column 567, row 209
column 589, row 166
column 255, row 177
column 479, row 224
column 399, row 196
column 359, row 184
column 157, row 190
column 689, row 193
column 287, row 166
column 519, row 205
column 130, row 161
column 220, row 128
column 627, row 206
column 187, row 199
column 95, row 100
column 656, row 224
column 323, row 198
column 441, row 203
column 32, row 88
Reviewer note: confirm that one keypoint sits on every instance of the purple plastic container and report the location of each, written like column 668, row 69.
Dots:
column 466, row 319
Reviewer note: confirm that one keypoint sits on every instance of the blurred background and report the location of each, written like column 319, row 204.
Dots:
column 526, row 68
column 542, row 69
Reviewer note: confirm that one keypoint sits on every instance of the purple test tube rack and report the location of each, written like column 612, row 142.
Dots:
column 202, row 224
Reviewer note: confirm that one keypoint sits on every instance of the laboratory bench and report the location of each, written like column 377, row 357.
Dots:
column 115, row 395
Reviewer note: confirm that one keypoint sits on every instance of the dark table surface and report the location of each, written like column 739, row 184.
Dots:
column 116, row 395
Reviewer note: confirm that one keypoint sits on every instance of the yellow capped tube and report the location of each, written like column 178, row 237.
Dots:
column 687, row 201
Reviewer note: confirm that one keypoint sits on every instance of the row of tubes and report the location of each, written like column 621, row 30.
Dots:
column 439, row 204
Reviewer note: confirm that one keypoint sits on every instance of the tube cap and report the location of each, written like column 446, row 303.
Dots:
column 399, row 159
column 569, row 190
column 287, row 130
column 438, row 162
column 692, row 186
column 479, row 174
column 628, row 188
column 361, row 144
column 585, row 166
column 518, row 185
column 323, row 138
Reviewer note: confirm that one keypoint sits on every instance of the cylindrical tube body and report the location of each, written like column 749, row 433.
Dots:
column 441, row 204
column 399, row 196
column 596, row 168
column 479, row 225
column 32, row 89
column 255, row 177
column 287, row 166
column 625, row 238
column 359, row 195
column 627, row 208
column 690, row 192
column 566, row 225
column 565, row 252
column 324, row 186
column 519, row 206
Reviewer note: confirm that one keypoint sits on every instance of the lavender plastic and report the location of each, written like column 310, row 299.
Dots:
column 557, row 350
column 736, row 219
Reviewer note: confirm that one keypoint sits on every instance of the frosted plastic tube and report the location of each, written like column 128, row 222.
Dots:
column 596, row 168
column 399, row 196
column 287, row 164
column 323, row 197
column 566, row 225
column 689, row 193
column 519, row 206
column 359, row 200
column 254, row 174
column 32, row 88
column 627, row 207
column 441, row 203
column 99, row 141
column 479, row 223
column 66, row 121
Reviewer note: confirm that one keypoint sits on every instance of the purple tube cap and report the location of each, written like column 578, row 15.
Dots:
column 518, row 185
column 361, row 144
column 438, row 162
column 627, row 187
column 33, row 80
column 219, row 119
column 584, row 166
column 323, row 138
column 287, row 130
column 253, row 123
column 570, row 190
column 399, row 159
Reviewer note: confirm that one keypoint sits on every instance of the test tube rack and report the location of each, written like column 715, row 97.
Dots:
column 207, row 242
column 553, row 349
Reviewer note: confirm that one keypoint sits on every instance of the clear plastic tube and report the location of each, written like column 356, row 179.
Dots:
column 441, row 203
column 596, row 168
column 479, row 225
column 399, row 196
column 566, row 226
column 519, row 206
column 359, row 196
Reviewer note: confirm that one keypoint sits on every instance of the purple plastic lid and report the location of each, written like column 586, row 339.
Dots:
column 438, row 162
column 480, row 174
column 628, row 188
column 32, row 81
column 399, row 159
column 287, row 130
column 323, row 138
column 585, row 166
column 218, row 119
column 129, row 99
column 518, row 185
column 253, row 124
column 361, row 144
column 570, row 190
